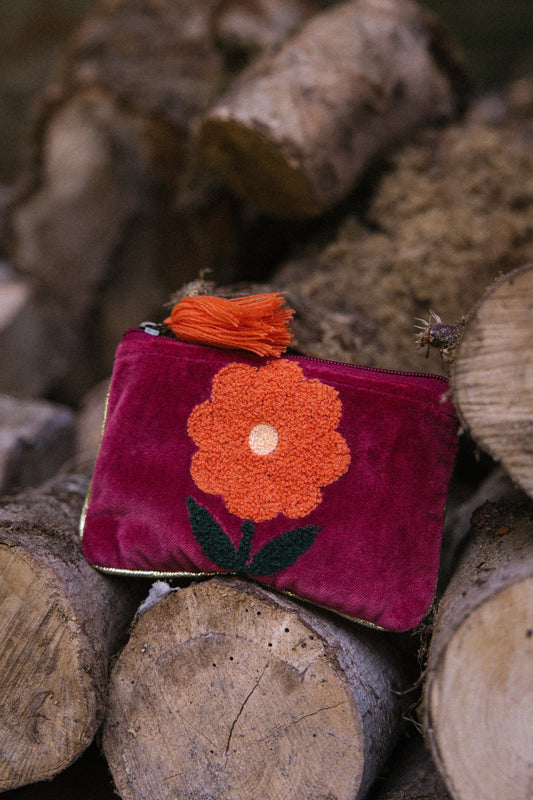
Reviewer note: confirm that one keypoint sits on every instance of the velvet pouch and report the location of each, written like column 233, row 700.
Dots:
column 323, row 480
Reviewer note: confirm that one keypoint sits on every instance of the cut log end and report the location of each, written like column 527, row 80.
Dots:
column 478, row 699
column 256, row 167
column 495, row 644
column 60, row 623
column 493, row 374
column 49, row 713
column 224, row 691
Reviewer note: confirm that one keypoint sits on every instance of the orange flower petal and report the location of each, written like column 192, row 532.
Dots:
column 304, row 454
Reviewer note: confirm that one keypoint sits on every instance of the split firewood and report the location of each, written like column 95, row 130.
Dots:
column 60, row 624
column 478, row 702
column 115, row 209
column 225, row 689
column 297, row 130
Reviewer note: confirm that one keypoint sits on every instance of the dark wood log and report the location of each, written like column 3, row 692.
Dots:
column 36, row 439
column 38, row 341
column 60, row 624
column 410, row 774
column 477, row 692
column 227, row 690
column 295, row 133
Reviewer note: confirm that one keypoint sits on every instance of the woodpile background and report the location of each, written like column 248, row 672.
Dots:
column 335, row 151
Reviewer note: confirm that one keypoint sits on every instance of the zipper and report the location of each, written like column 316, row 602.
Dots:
column 160, row 329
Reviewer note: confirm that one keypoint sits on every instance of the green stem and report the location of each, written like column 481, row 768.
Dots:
column 243, row 553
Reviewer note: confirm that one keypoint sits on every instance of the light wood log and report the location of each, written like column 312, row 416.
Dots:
column 492, row 374
column 60, row 623
column 227, row 690
column 295, row 132
column 478, row 692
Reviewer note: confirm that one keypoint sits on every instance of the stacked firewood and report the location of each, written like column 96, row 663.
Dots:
column 330, row 151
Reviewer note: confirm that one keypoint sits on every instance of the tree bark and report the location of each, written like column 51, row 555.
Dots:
column 297, row 130
column 225, row 689
column 492, row 375
column 60, row 623
column 477, row 695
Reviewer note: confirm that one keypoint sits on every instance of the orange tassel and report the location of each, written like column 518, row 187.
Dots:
column 259, row 323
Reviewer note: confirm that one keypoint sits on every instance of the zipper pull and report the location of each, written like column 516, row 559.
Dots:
column 152, row 328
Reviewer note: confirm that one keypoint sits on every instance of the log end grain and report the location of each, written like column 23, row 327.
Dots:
column 60, row 623
column 48, row 713
column 255, row 167
column 478, row 698
column 493, row 374
column 225, row 691
column 483, row 700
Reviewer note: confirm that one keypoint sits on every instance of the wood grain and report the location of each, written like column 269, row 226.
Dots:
column 493, row 374
column 226, row 690
column 478, row 694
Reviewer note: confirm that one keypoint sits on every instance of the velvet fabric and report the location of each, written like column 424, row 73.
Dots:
column 369, row 548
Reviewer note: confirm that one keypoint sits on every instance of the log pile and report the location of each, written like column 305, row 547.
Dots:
column 179, row 137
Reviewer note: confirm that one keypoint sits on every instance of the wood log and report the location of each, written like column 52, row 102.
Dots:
column 492, row 374
column 246, row 28
column 60, row 624
column 37, row 341
column 412, row 243
column 114, row 208
column 36, row 439
column 494, row 487
column 297, row 130
column 227, row 690
column 478, row 702
column 112, row 151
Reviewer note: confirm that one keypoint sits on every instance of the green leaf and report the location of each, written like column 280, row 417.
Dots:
column 215, row 544
column 282, row 551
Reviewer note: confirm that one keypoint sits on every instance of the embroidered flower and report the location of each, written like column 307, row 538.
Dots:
column 267, row 440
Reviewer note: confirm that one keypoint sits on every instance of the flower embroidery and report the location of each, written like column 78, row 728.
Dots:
column 268, row 440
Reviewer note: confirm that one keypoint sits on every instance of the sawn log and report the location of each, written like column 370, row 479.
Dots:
column 227, row 690
column 60, row 624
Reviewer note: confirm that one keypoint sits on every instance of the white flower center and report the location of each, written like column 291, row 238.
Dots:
column 263, row 439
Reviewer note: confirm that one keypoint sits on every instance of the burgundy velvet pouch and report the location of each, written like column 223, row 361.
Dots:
column 324, row 480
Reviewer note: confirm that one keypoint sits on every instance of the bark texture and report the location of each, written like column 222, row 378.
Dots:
column 60, row 623
column 226, row 690
column 297, row 130
column 449, row 213
column 477, row 691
